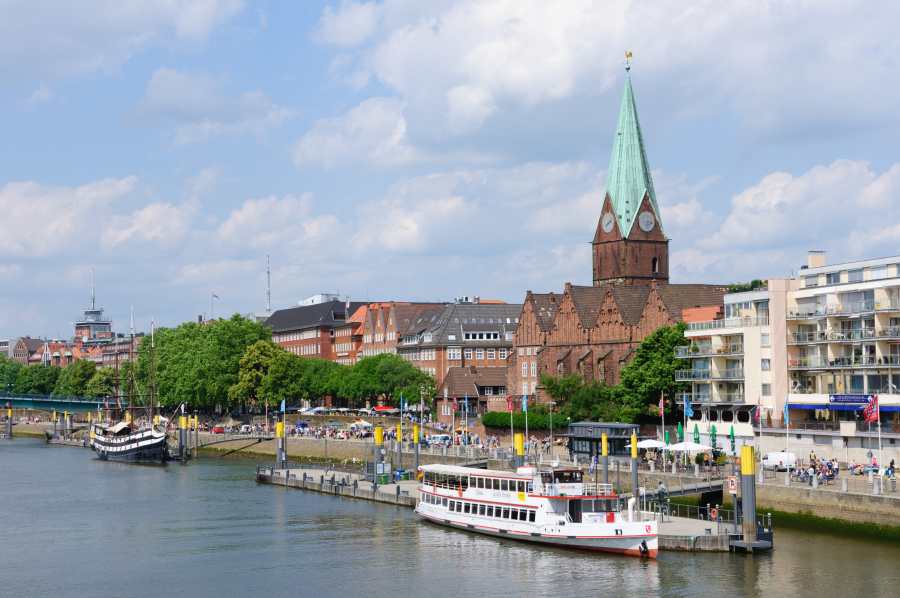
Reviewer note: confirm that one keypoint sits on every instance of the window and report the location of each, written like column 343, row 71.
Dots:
column 454, row 353
column 504, row 485
column 855, row 275
column 481, row 510
column 878, row 272
column 833, row 278
column 654, row 265
column 533, row 368
column 764, row 340
column 767, row 390
column 451, row 337
column 490, row 511
column 521, row 351
column 479, row 353
column 496, row 484
column 765, row 364
column 524, row 388
column 503, row 354
column 488, row 390
column 810, row 281
column 524, row 368
column 492, row 353
column 506, row 512
column 468, row 353
column 531, row 516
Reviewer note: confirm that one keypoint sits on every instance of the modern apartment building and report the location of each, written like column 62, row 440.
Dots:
column 310, row 330
column 817, row 345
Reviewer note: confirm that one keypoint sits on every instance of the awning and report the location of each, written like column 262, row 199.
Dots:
column 841, row 407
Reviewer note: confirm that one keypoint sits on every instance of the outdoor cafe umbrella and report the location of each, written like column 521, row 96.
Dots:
column 731, row 438
column 666, row 437
column 648, row 444
column 689, row 447
column 712, row 435
column 696, row 434
column 680, row 432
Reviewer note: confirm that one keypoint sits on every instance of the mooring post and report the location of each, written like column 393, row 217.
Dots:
column 634, row 466
column 519, row 443
column 280, row 451
column 182, row 427
column 416, row 440
column 748, row 495
column 9, row 416
column 604, row 456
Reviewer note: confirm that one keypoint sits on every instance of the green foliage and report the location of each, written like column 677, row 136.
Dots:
column 197, row 364
column 9, row 371
column 37, row 379
column 652, row 371
column 742, row 287
column 73, row 379
column 538, row 419
column 102, row 384
column 386, row 376
column 254, row 366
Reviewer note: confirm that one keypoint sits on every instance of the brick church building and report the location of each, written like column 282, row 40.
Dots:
column 594, row 330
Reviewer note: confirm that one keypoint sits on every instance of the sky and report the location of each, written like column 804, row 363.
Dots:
column 411, row 150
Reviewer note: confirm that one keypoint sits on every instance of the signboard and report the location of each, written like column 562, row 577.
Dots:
column 732, row 484
column 858, row 399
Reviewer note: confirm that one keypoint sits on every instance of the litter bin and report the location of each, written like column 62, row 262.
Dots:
column 383, row 479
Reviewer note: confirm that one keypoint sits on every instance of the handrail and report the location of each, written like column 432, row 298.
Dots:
column 745, row 322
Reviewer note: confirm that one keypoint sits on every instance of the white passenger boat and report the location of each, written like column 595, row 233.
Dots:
column 548, row 505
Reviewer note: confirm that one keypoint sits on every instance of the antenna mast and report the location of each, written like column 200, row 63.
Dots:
column 93, row 296
column 268, row 286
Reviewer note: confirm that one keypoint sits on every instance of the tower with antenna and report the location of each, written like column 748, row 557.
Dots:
column 93, row 328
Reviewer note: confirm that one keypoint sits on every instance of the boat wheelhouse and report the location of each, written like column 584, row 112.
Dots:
column 553, row 506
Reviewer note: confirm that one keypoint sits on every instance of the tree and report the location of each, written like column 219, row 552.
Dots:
column 102, row 384
column 386, row 376
column 9, row 371
column 74, row 378
column 284, row 379
column 652, row 370
column 254, row 366
column 197, row 364
column 37, row 379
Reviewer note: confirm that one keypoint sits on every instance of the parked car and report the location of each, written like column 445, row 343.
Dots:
column 218, row 430
column 779, row 461
column 439, row 440
column 246, row 429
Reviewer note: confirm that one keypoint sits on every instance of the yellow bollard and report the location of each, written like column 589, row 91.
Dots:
column 604, row 445
column 416, row 433
column 519, row 443
column 182, row 422
column 279, row 429
column 55, row 418
column 634, row 447
column 399, row 433
column 379, row 435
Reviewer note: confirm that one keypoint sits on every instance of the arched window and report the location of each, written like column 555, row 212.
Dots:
column 655, row 265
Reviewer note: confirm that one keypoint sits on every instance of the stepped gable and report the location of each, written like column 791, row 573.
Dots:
column 630, row 300
column 545, row 306
column 413, row 318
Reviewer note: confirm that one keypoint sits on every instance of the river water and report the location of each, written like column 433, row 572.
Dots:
column 76, row 526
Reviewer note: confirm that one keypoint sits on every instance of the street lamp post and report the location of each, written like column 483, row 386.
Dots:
column 552, row 404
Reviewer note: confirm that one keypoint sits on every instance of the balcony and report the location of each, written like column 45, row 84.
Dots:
column 807, row 363
column 805, row 338
column 851, row 335
column 687, row 352
column 887, row 306
column 842, row 309
column 842, row 363
column 889, row 333
column 747, row 322
column 705, row 375
column 705, row 399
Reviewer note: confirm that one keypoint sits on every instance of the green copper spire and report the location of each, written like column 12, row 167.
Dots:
column 629, row 172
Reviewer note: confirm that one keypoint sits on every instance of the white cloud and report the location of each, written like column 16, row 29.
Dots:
column 48, row 38
column 350, row 25
column 41, row 95
column 372, row 132
column 159, row 223
column 461, row 63
column 277, row 222
column 40, row 220
column 199, row 107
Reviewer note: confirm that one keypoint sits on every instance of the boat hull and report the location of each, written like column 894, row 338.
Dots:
column 147, row 446
column 637, row 545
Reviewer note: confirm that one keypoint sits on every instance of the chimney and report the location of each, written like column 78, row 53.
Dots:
column 815, row 258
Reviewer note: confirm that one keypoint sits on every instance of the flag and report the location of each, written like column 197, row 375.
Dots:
column 662, row 403
column 214, row 296
column 524, row 403
column 688, row 410
column 282, row 406
column 757, row 413
column 871, row 413
column 509, row 405
column 787, row 415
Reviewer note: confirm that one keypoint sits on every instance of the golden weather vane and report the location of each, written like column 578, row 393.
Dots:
column 628, row 56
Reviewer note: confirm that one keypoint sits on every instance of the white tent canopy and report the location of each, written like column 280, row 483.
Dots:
column 649, row 444
column 689, row 447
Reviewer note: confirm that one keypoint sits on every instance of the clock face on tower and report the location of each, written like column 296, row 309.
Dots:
column 646, row 221
column 607, row 222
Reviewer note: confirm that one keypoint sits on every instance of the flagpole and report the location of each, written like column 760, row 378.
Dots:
column 526, row 429
column 662, row 411
column 512, row 436
column 880, row 449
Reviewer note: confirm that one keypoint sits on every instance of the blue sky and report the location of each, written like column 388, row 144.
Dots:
column 423, row 150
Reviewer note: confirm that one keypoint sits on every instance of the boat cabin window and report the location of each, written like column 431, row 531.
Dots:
column 515, row 514
column 567, row 477
column 505, row 512
column 481, row 509
column 520, row 486
column 490, row 511
column 531, row 515
column 496, row 484
column 479, row 482
column 504, row 484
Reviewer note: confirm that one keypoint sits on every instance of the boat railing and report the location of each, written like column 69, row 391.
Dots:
column 597, row 489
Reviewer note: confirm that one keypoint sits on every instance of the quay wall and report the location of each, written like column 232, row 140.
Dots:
column 287, row 478
column 849, row 506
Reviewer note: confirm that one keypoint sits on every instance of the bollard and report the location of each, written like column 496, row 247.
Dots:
column 674, row 471
column 787, row 478
column 815, row 481
column 748, row 495
column 696, row 470
column 416, row 441
column 844, row 484
column 182, row 428
column 634, row 465
column 604, row 451
column 876, row 486
column 652, row 466
column 280, row 448
column 519, row 443
column 9, row 418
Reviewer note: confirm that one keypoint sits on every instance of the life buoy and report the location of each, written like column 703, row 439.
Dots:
column 714, row 514
column 647, row 528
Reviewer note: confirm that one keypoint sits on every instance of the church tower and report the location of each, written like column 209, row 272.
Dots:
column 629, row 246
